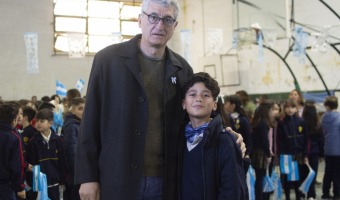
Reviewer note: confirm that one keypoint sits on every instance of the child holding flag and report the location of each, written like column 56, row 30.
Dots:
column 292, row 140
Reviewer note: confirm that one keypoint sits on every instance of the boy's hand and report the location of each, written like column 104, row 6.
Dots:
column 89, row 191
column 22, row 194
column 239, row 140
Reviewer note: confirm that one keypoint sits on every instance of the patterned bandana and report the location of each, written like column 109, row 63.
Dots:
column 191, row 133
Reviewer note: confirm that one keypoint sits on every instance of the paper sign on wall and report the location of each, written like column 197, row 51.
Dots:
column 31, row 42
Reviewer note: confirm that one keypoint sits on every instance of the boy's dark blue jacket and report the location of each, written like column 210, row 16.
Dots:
column 49, row 156
column 11, row 158
column 222, row 167
column 70, row 132
column 292, row 136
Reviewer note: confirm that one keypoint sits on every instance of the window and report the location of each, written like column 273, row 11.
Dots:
column 96, row 23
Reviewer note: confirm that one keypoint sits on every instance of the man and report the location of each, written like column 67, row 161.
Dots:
column 129, row 132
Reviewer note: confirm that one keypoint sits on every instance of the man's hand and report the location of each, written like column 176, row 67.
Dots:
column 22, row 194
column 89, row 191
column 239, row 140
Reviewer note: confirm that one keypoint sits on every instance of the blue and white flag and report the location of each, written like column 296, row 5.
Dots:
column 277, row 185
column 285, row 164
column 40, row 183
column 251, row 183
column 304, row 187
column 294, row 174
column 60, row 89
column 80, row 84
column 267, row 185
column 35, row 184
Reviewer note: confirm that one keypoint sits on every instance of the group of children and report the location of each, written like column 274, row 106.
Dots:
column 211, row 165
column 28, row 139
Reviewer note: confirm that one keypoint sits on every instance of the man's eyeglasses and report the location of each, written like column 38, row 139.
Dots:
column 154, row 19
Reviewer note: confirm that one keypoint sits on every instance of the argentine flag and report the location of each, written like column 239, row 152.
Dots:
column 304, row 187
column 60, row 89
column 251, row 183
column 294, row 174
column 40, row 183
column 285, row 164
column 80, row 84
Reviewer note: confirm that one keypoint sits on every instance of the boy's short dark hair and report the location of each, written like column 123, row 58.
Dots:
column 331, row 102
column 44, row 114
column 46, row 105
column 71, row 94
column 76, row 101
column 8, row 112
column 204, row 78
column 29, row 112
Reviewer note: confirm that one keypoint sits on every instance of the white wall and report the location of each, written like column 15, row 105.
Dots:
column 197, row 16
column 18, row 17
column 271, row 75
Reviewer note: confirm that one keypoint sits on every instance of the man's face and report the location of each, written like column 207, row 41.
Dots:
column 158, row 34
column 78, row 110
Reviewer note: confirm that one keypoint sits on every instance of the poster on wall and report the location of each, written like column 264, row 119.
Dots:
column 77, row 45
column 215, row 42
column 31, row 43
column 186, row 43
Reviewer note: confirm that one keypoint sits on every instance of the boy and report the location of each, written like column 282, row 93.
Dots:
column 330, row 123
column 211, row 163
column 28, row 129
column 11, row 158
column 28, row 132
column 70, row 132
column 45, row 149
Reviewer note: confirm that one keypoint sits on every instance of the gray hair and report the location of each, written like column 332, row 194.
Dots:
column 165, row 3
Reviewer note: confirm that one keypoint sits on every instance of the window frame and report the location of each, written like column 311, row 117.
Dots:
column 87, row 18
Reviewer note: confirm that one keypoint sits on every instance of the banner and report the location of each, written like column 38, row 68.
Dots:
column 31, row 42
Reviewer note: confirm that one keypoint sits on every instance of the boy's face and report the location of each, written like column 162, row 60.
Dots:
column 199, row 102
column 43, row 125
column 290, row 110
column 78, row 110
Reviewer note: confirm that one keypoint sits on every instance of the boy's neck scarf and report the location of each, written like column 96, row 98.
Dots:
column 192, row 133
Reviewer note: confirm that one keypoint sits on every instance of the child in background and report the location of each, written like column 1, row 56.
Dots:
column 57, row 114
column 232, row 105
column 11, row 156
column 297, row 96
column 315, row 140
column 28, row 132
column 261, row 155
column 45, row 149
column 331, row 127
column 70, row 132
column 292, row 139
column 210, row 165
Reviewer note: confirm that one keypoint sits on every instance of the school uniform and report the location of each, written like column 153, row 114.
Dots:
column 70, row 131
column 292, row 139
column 49, row 155
column 11, row 163
column 261, row 151
column 213, row 168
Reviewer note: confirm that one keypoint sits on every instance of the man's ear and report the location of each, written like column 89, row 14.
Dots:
column 139, row 20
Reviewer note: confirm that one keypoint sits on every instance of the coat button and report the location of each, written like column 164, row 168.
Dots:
column 140, row 99
column 138, row 132
column 134, row 165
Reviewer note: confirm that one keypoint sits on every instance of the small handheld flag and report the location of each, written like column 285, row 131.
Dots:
column 60, row 89
column 80, row 84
